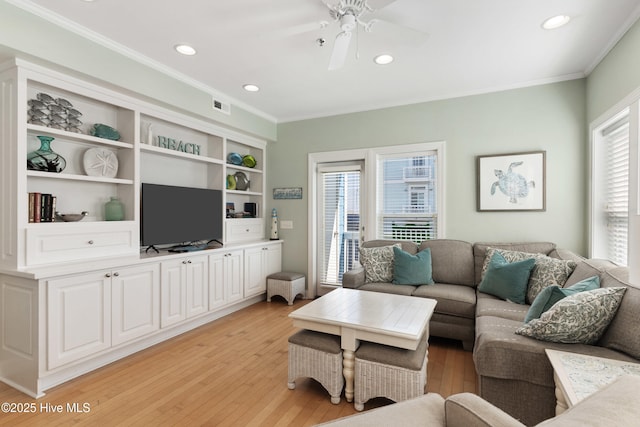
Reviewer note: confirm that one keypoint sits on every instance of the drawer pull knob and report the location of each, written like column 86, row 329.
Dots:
column 90, row 242
column 107, row 275
column 116, row 274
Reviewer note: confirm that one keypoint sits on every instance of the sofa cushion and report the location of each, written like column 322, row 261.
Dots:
column 507, row 280
column 389, row 288
column 427, row 410
column 619, row 335
column 454, row 300
column 588, row 268
column 579, row 318
column 470, row 410
column 488, row 305
column 377, row 263
column 500, row 353
column 546, row 272
column 552, row 294
column 480, row 252
column 615, row 404
column 452, row 261
column 412, row 269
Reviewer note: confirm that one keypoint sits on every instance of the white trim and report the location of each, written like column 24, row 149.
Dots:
column 421, row 100
column 314, row 159
column 400, row 150
column 88, row 34
column 631, row 19
column 631, row 103
column 369, row 157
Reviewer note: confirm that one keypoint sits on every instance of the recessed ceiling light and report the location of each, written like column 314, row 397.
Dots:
column 251, row 88
column 383, row 59
column 556, row 22
column 185, row 49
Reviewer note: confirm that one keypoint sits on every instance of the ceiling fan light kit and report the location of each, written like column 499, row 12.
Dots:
column 348, row 15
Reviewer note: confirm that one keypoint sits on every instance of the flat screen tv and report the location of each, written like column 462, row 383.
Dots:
column 180, row 215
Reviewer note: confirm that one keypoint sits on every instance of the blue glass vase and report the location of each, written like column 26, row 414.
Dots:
column 45, row 159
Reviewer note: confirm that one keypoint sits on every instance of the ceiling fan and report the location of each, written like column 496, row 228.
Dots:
column 349, row 15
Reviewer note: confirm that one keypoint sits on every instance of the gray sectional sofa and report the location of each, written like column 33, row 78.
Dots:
column 514, row 372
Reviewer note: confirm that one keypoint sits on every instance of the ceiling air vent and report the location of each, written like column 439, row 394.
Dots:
column 221, row 106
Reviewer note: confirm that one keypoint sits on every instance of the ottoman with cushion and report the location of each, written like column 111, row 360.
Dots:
column 318, row 356
column 384, row 371
column 286, row 284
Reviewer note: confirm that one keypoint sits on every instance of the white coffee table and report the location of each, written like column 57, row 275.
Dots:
column 577, row 376
column 394, row 320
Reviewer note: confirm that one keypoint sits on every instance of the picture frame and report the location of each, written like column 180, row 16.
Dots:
column 287, row 193
column 511, row 182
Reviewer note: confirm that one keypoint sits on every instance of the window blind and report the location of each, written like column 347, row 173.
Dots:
column 341, row 224
column 406, row 197
column 616, row 138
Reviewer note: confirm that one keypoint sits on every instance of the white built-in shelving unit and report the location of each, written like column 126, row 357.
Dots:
column 77, row 295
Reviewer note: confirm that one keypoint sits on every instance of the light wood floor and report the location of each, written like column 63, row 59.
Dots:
column 231, row 372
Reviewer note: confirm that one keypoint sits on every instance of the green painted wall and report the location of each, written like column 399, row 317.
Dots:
column 36, row 39
column 617, row 75
column 549, row 117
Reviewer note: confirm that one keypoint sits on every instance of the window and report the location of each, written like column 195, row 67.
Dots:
column 407, row 196
column 404, row 202
column 610, row 208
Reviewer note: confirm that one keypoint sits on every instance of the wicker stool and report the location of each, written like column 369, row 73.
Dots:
column 391, row 372
column 285, row 284
column 318, row 356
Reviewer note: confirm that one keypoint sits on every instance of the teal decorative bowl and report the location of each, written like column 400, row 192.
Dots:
column 104, row 131
column 234, row 159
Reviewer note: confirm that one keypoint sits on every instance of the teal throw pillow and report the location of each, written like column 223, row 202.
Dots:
column 551, row 295
column 412, row 269
column 507, row 280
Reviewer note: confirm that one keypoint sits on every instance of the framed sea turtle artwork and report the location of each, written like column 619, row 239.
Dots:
column 511, row 182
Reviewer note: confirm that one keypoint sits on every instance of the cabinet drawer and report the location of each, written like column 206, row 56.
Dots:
column 244, row 230
column 69, row 242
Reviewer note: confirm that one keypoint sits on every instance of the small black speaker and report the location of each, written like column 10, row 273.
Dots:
column 251, row 209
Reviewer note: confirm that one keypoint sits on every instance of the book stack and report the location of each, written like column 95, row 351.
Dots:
column 42, row 207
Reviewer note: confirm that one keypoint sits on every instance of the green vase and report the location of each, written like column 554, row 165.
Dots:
column 44, row 159
column 113, row 210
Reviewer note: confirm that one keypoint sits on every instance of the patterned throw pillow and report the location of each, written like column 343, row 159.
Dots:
column 378, row 263
column 547, row 271
column 581, row 318
column 550, row 295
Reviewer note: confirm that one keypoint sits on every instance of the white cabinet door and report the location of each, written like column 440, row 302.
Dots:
column 135, row 301
column 233, row 275
column 259, row 263
column 173, row 293
column 197, row 284
column 272, row 259
column 254, row 278
column 225, row 278
column 78, row 317
column 184, row 289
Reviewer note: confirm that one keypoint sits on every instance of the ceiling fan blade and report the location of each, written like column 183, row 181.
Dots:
column 379, row 4
column 396, row 33
column 340, row 49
